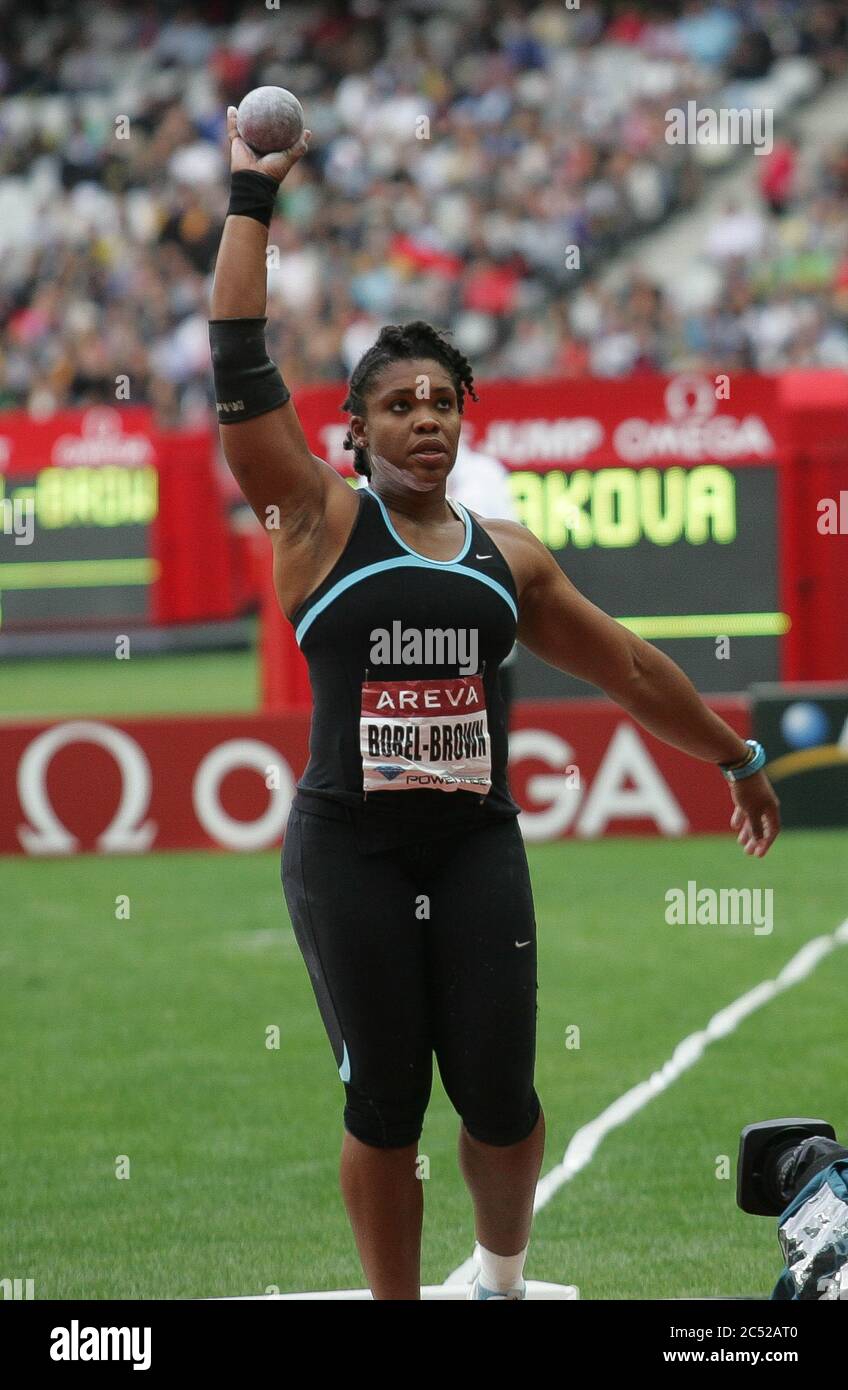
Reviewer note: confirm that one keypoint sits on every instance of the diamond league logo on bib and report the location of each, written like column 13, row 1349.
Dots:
column 425, row 734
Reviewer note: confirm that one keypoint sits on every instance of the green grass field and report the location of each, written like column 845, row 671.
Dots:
column 196, row 682
column 146, row 1038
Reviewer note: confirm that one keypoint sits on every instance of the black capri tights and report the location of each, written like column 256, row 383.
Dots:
column 427, row 949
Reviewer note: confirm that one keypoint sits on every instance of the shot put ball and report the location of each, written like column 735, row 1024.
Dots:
column 270, row 119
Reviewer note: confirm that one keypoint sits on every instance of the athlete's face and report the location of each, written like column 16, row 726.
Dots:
column 412, row 426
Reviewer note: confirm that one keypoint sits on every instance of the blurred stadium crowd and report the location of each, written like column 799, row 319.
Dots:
column 545, row 128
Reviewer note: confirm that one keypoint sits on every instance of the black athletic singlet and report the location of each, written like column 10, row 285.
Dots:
column 386, row 709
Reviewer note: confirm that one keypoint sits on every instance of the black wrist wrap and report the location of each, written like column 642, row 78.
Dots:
column 247, row 383
column 253, row 195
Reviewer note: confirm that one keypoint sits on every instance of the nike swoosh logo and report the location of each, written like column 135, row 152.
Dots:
column 523, row 943
column 481, row 557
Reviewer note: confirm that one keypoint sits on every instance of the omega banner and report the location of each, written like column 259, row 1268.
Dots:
column 128, row 786
column 688, row 507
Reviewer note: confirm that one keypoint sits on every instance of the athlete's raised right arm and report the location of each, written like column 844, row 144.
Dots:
column 266, row 448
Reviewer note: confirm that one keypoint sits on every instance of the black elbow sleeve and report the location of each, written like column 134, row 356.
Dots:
column 247, row 383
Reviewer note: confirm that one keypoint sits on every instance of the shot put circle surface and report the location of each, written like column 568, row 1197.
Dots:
column 270, row 119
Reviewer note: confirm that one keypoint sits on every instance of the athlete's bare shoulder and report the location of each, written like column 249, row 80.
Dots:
column 526, row 556
column 342, row 502
column 307, row 547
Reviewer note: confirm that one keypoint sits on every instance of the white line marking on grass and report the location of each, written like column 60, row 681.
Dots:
column 583, row 1144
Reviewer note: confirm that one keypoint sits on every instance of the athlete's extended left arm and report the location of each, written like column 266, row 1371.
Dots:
column 560, row 625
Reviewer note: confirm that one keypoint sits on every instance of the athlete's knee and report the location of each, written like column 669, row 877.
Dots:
column 502, row 1127
column 384, row 1124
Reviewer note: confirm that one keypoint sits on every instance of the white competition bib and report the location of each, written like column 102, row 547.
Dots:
column 425, row 733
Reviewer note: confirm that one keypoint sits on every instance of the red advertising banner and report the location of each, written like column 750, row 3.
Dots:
column 109, row 520
column 753, row 457
column 100, row 437
column 578, row 769
column 556, row 423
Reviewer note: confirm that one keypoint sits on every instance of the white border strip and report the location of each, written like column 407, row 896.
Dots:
column 584, row 1143
column 537, row 1289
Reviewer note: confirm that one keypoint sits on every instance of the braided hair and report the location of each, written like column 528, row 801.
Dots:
column 396, row 342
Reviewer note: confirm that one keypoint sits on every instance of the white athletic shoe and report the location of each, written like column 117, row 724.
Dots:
column 477, row 1290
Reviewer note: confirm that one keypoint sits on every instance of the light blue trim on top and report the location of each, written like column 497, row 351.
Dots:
column 344, row 1069
column 399, row 562
column 441, row 563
